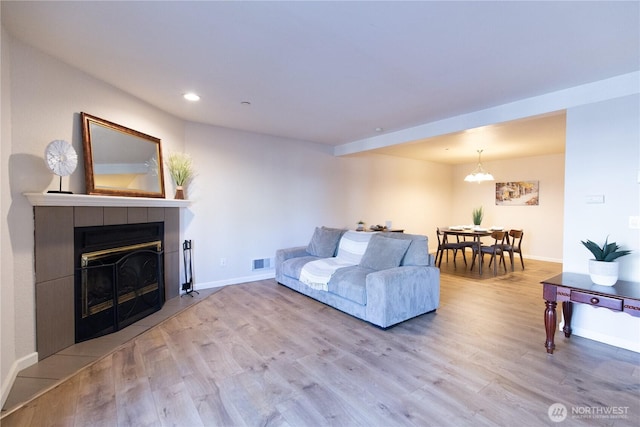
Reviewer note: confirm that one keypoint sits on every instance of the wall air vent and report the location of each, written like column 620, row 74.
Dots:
column 261, row 264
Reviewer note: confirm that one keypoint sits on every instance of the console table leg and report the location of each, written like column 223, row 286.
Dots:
column 567, row 312
column 550, row 325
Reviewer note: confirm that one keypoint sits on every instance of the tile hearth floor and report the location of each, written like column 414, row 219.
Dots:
column 50, row 371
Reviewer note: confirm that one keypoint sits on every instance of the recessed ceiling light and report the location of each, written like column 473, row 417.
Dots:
column 379, row 129
column 191, row 96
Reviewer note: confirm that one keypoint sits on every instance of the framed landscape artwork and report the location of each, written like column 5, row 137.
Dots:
column 517, row 193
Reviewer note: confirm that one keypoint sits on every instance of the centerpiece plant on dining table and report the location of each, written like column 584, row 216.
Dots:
column 478, row 214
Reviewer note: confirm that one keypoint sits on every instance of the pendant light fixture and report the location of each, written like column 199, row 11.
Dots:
column 479, row 174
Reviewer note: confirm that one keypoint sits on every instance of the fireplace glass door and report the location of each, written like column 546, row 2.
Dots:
column 118, row 286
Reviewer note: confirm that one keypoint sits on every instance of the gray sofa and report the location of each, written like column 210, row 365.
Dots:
column 384, row 278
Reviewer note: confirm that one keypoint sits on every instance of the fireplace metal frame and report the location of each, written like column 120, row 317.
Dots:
column 119, row 276
column 88, row 257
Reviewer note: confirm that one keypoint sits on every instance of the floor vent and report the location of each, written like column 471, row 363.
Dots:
column 261, row 264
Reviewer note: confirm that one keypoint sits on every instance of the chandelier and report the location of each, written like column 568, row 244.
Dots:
column 479, row 174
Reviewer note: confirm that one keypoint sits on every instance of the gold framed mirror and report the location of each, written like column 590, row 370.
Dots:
column 119, row 161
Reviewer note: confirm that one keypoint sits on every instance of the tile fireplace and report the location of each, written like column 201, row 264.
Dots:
column 119, row 276
column 58, row 263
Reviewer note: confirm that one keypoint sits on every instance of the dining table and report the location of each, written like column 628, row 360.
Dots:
column 475, row 233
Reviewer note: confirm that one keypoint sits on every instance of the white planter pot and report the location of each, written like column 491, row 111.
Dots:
column 603, row 273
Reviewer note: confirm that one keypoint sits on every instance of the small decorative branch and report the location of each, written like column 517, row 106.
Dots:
column 180, row 168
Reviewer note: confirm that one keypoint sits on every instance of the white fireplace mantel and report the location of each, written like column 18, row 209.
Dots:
column 58, row 199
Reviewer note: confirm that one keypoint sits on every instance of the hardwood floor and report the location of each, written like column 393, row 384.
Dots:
column 261, row 354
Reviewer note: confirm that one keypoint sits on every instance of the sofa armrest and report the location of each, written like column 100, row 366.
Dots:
column 432, row 260
column 400, row 293
column 284, row 254
column 288, row 253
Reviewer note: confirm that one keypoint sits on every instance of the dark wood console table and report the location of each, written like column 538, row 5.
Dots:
column 572, row 288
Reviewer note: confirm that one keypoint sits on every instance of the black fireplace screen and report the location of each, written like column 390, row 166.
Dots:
column 117, row 287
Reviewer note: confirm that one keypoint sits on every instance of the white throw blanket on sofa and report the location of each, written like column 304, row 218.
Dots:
column 316, row 274
column 353, row 244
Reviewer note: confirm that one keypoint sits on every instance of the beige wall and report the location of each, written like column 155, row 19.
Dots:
column 542, row 224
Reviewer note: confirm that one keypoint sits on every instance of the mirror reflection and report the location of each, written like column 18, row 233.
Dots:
column 121, row 161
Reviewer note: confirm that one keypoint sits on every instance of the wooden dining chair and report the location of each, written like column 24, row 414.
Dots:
column 515, row 245
column 495, row 250
column 445, row 246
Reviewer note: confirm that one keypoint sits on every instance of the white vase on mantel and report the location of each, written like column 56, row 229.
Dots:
column 603, row 273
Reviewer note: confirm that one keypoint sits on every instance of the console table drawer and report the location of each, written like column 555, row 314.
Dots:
column 597, row 300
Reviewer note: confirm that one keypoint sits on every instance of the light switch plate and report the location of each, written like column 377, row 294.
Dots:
column 596, row 198
column 634, row 222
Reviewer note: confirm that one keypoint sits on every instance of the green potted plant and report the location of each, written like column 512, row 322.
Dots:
column 181, row 171
column 603, row 268
column 478, row 214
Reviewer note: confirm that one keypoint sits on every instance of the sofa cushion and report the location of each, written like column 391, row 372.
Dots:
column 293, row 266
column 324, row 242
column 350, row 283
column 384, row 252
column 353, row 244
column 418, row 251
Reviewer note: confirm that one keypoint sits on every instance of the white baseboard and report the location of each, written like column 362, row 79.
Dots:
column 234, row 281
column 607, row 339
column 541, row 258
column 16, row 367
column 534, row 257
column 587, row 323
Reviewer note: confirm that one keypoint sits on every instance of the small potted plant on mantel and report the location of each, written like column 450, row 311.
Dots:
column 181, row 171
column 603, row 268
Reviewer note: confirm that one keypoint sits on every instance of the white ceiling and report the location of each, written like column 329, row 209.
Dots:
column 333, row 72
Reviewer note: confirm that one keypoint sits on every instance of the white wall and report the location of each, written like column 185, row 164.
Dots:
column 41, row 101
column 48, row 97
column 542, row 224
column 7, row 314
column 603, row 158
column 254, row 194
